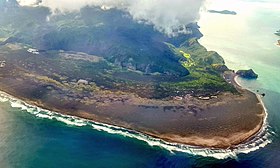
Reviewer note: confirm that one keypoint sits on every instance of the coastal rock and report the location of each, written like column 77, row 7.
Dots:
column 248, row 74
column 277, row 33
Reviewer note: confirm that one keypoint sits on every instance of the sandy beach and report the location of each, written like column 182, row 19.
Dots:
column 220, row 122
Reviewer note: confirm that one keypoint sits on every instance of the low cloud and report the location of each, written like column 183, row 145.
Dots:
column 165, row 15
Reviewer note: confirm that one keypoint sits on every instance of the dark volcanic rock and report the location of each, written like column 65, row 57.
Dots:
column 248, row 74
column 277, row 33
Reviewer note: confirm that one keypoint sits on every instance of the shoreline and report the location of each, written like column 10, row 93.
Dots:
column 260, row 140
column 220, row 120
column 261, row 136
column 264, row 121
column 188, row 140
column 236, row 82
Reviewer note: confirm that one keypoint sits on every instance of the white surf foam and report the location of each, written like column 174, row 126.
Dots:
column 262, row 139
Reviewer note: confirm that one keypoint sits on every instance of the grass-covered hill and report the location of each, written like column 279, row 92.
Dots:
column 112, row 34
column 136, row 56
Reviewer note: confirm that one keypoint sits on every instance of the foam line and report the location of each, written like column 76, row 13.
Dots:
column 259, row 141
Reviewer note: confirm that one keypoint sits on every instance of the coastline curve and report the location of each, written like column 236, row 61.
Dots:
column 259, row 140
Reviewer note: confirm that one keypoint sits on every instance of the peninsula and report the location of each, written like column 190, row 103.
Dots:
column 225, row 12
column 114, row 70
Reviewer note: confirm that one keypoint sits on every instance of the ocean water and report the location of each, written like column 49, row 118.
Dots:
column 245, row 41
column 32, row 137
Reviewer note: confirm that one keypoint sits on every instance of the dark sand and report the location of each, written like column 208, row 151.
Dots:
column 223, row 121
column 220, row 122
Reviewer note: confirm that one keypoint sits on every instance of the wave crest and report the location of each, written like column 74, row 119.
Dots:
column 260, row 140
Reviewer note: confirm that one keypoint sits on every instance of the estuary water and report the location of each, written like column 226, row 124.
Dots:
column 32, row 137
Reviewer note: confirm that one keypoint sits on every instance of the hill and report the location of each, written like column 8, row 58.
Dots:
column 134, row 51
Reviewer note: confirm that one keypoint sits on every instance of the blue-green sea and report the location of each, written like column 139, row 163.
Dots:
column 32, row 137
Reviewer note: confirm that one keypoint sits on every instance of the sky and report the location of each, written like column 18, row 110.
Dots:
column 165, row 15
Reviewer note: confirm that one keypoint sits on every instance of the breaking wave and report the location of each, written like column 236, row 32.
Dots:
column 260, row 140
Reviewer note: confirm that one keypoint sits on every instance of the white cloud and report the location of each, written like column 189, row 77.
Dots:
column 165, row 15
column 27, row 2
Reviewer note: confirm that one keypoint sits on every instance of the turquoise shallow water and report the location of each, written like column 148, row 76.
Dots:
column 245, row 41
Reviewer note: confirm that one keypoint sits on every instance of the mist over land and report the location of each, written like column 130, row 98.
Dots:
column 166, row 16
column 134, row 64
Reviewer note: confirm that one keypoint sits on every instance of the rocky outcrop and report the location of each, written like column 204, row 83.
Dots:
column 277, row 33
column 248, row 74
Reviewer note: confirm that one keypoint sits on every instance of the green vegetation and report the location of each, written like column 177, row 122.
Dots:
column 110, row 51
column 205, row 67
column 189, row 61
column 200, row 83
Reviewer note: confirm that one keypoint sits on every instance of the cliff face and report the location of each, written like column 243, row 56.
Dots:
column 248, row 74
